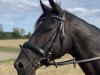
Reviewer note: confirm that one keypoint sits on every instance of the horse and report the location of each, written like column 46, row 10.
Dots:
column 58, row 32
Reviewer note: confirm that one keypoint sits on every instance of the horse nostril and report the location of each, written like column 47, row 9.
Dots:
column 20, row 65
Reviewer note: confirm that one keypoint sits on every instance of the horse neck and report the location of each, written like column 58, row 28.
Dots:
column 83, row 47
column 84, row 39
column 80, row 33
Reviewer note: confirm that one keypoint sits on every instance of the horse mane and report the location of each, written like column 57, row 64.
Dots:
column 71, row 16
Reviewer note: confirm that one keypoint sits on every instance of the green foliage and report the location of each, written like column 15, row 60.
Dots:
column 1, row 28
column 1, row 35
column 16, row 34
column 5, row 35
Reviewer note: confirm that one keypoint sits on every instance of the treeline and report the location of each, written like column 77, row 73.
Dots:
column 15, row 34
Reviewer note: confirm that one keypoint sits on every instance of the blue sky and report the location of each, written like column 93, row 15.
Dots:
column 24, row 13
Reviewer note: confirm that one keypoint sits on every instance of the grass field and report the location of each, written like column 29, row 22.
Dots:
column 12, row 43
column 9, row 50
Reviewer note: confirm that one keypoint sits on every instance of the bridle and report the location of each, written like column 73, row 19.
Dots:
column 45, row 60
column 59, row 32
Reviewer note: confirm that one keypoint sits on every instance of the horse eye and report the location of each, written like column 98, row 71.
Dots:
column 48, row 29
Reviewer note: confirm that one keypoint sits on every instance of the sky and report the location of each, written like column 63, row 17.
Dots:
column 24, row 13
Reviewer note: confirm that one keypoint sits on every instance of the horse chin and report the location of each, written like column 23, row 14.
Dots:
column 32, row 72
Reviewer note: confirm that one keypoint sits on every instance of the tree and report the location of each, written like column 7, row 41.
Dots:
column 29, row 34
column 1, row 28
column 16, row 33
column 1, row 32
column 22, row 31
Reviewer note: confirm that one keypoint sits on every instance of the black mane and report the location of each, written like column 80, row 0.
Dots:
column 71, row 16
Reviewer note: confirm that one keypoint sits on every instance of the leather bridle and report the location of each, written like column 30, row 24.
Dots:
column 45, row 60
column 59, row 32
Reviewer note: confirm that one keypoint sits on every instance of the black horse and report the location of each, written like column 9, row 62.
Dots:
column 58, row 32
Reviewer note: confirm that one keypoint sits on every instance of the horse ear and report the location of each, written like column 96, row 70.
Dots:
column 55, row 6
column 44, row 7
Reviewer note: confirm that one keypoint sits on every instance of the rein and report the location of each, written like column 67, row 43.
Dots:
column 46, row 60
column 74, row 62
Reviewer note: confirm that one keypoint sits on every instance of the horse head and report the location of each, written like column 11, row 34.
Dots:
column 51, row 35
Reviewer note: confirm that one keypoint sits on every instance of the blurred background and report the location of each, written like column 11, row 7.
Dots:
column 17, row 20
